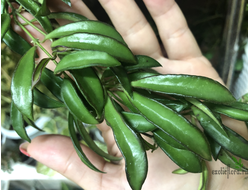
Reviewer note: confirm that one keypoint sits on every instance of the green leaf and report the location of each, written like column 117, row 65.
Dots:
column 77, row 145
column 17, row 122
column 5, row 24
column 204, row 177
column 44, row 101
column 188, row 86
column 43, row 10
column 21, row 85
column 38, row 71
column 205, row 109
column 67, row 2
column 122, row 77
column 32, row 124
column 144, row 62
column 15, row 42
column 179, row 171
column 88, row 140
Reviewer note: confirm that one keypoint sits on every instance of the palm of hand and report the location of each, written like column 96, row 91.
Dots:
column 184, row 57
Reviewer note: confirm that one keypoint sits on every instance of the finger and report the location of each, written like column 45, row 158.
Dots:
column 57, row 152
column 133, row 26
column 177, row 38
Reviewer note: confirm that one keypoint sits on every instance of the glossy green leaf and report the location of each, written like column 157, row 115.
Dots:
column 206, row 110
column 177, row 105
column 33, row 8
column 229, row 161
column 67, row 2
column 97, row 42
column 134, row 76
column 168, row 139
column 91, row 88
column 38, row 71
column 67, row 16
column 183, row 158
column 204, row 177
column 87, row 26
column 173, row 124
column 237, row 110
column 215, row 147
column 5, row 24
column 17, row 122
column 187, row 86
column 43, row 10
column 144, row 62
column 52, row 82
column 86, row 58
column 179, row 171
column 130, row 146
column 124, row 100
column 21, row 85
column 31, row 123
column 44, row 101
column 77, row 145
column 91, row 144
column 122, row 77
column 138, row 123
column 233, row 143
column 73, row 100
column 15, row 42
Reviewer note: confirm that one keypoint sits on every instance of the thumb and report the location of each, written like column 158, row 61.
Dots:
column 57, row 152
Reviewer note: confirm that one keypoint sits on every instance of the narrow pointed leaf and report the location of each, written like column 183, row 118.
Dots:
column 97, row 42
column 215, row 147
column 201, row 88
column 77, row 145
column 52, row 82
column 32, row 124
column 67, row 16
column 144, row 62
column 179, row 171
column 138, row 122
column 21, row 85
column 87, row 26
column 67, row 2
column 43, row 10
column 230, row 161
column 17, row 122
column 5, row 24
column 129, row 145
column 206, row 110
column 173, row 124
column 204, row 177
column 183, row 158
column 91, row 88
column 15, row 42
column 38, row 71
column 85, row 136
column 233, row 143
column 86, row 58
column 44, row 101
column 75, row 103
column 122, row 77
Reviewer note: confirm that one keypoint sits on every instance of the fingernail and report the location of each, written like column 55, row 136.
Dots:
column 23, row 148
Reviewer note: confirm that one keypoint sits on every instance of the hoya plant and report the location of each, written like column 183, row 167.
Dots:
column 98, row 79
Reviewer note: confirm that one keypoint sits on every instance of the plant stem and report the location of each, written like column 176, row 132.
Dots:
column 27, row 21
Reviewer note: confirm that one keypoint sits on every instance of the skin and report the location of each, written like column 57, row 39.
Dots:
column 184, row 57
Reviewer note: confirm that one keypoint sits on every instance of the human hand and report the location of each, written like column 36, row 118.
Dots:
column 184, row 57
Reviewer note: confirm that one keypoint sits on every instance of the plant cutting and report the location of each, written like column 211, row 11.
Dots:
column 99, row 79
